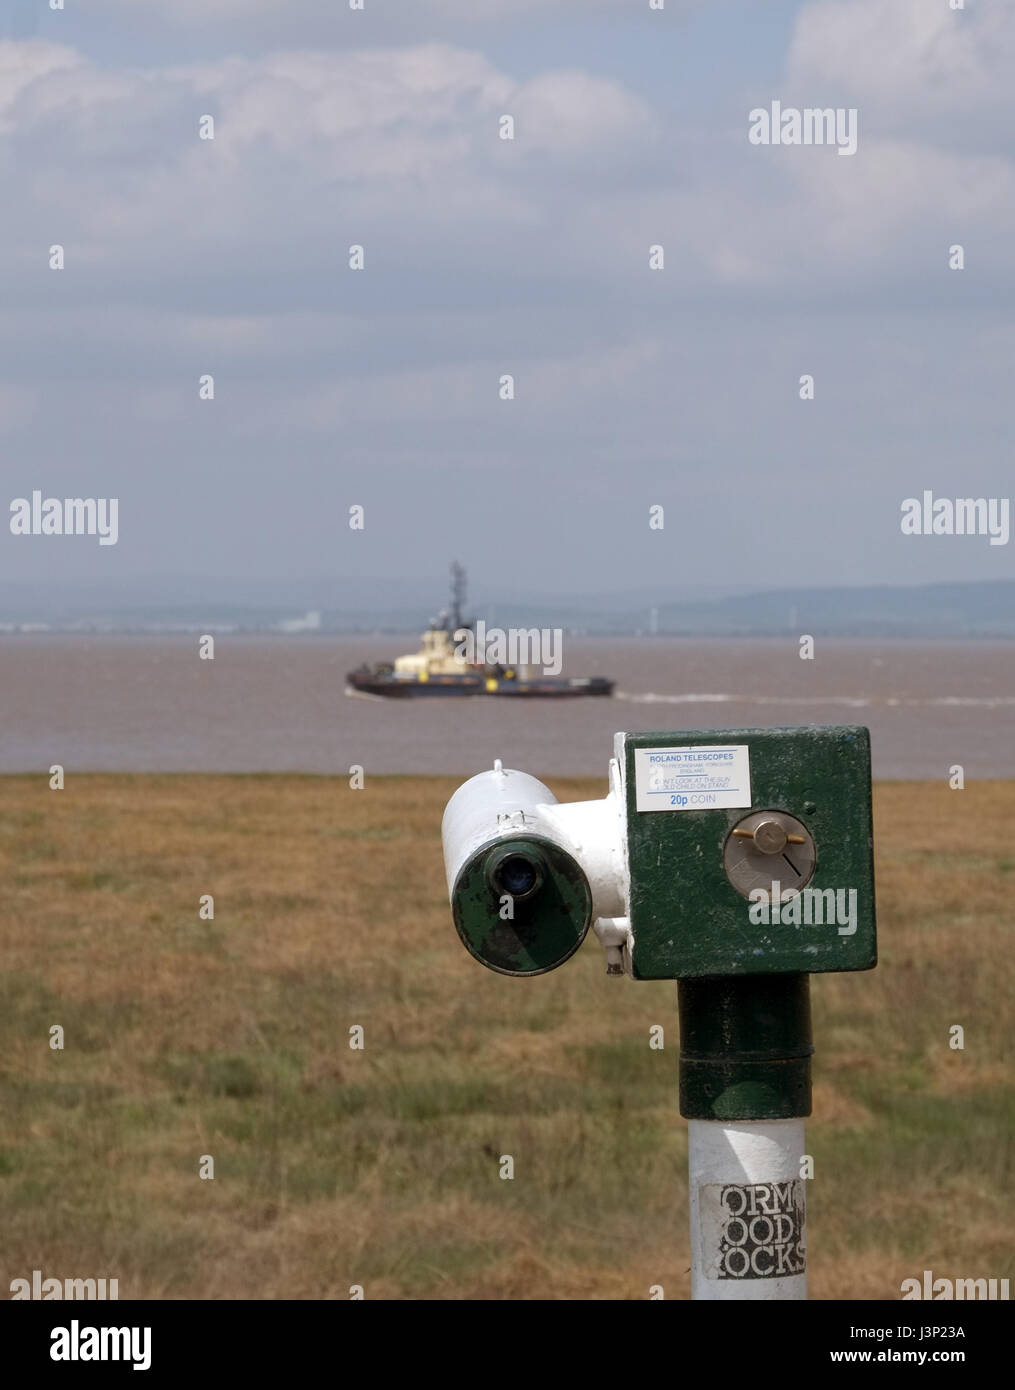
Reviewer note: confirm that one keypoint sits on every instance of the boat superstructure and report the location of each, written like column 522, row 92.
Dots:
column 442, row 667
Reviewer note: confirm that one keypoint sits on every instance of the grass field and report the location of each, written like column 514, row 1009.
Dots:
column 379, row 1167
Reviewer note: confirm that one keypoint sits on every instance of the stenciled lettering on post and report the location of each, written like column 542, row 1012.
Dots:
column 753, row 1231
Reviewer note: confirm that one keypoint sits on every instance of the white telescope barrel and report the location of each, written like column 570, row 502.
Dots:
column 594, row 833
column 527, row 876
column 491, row 804
column 504, row 803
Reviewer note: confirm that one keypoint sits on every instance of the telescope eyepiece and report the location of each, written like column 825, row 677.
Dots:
column 516, row 874
column 522, row 904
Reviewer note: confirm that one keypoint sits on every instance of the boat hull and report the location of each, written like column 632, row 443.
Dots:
column 450, row 687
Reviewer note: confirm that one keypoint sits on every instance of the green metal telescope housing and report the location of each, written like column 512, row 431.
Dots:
column 674, row 868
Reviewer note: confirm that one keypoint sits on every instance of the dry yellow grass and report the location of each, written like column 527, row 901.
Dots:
column 379, row 1167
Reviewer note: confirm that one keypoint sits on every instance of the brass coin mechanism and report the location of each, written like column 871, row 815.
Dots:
column 768, row 848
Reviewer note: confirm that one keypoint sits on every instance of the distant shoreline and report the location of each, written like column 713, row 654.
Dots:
column 411, row 635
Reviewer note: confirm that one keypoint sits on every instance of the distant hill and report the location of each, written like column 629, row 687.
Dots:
column 928, row 611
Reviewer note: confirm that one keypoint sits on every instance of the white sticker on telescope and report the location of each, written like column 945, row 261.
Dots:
column 692, row 779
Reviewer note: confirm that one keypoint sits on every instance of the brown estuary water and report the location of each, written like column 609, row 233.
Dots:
column 273, row 704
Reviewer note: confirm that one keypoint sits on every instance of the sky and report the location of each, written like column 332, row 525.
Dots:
column 634, row 387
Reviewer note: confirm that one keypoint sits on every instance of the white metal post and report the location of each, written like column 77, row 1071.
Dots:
column 748, row 1236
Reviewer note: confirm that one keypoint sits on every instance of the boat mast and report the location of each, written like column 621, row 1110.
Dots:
column 457, row 596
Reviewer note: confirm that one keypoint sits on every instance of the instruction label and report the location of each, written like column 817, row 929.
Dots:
column 692, row 779
column 753, row 1231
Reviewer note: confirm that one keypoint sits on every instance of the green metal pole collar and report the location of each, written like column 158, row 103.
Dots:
column 745, row 1047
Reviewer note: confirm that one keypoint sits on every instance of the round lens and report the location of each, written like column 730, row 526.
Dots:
column 517, row 876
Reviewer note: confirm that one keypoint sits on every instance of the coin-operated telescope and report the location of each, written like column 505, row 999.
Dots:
column 738, row 862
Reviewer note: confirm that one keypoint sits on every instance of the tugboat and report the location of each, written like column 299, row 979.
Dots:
column 442, row 667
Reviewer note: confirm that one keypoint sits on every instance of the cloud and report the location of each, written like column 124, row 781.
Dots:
column 921, row 68
column 935, row 165
column 331, row 23
column 487, row 256
column 473, row 12
column 398, row 150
